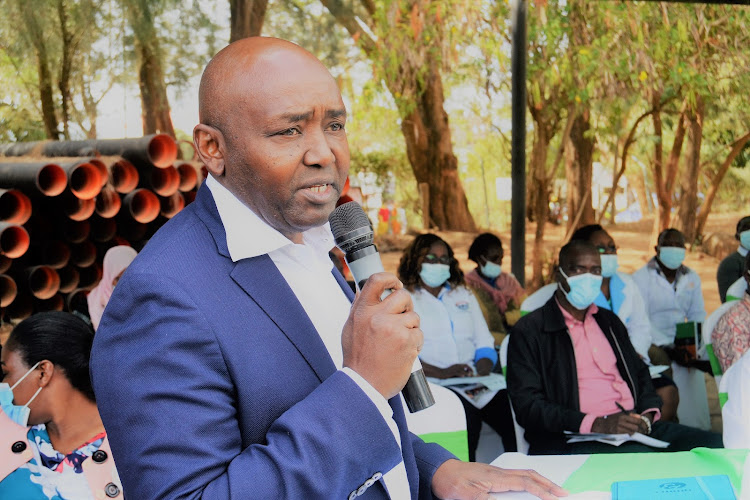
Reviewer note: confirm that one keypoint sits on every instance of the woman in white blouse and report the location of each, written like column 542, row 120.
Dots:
column 457, row 342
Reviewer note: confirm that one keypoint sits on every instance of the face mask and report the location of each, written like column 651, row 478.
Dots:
column 19, row 414
column 745, row 239
column 434, row 275
column 584, row 289
column 490, row 269
column 672, row 257
column 609, row 265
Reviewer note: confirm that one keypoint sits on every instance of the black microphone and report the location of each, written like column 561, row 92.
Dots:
column 353, row 234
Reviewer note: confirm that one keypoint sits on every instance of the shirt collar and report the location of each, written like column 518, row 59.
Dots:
column 590, row 310
column 742, row 251
column 652, row 264
column 250, row 236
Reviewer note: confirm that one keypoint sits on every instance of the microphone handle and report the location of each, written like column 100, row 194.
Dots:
column 363, row 263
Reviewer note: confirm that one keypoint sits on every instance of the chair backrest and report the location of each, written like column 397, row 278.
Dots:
column 538, row 298
column 736, row 290
column 443, row 423
column 521, row 444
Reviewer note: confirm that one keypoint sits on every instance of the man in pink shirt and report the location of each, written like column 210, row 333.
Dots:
column 571, row 367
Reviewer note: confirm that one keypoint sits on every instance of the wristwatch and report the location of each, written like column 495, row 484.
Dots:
column 648, row 423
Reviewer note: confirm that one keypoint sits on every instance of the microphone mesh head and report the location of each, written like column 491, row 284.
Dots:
column 350, row 226
column 346, row 218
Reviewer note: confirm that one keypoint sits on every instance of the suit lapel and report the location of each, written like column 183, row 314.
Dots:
column 261, row 280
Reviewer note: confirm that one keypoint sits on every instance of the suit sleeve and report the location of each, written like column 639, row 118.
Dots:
column 534, row 411
column 169, row 405
column 726, row 274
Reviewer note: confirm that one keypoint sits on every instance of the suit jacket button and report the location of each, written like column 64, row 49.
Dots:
column 361, row 490
column 99, row 456
column 377, row 476
column 353, row 495
column 18, row 447
column 111, row 489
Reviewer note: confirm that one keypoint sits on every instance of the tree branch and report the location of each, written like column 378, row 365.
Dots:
column 348, row 19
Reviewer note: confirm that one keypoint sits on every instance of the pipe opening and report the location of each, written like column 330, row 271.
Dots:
column 15, row 207
column 85, row 181
column 51, row 180
column 162, row 150
column 8, row 290
column 143, row 205
column 124, row 176
column 44, row 282
column 14, row 241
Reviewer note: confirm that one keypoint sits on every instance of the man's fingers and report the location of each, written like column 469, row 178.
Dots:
column 532, row 482
column 398, row 302
column 376, row 285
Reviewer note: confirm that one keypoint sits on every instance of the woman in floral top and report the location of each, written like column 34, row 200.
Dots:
column 65, row 453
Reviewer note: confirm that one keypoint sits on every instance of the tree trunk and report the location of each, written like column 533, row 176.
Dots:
column 246, row 18
column 154, row 100
column 580, row 169
column 430, row 152
column 63, row 83
column 540, row 182
column 705, row 209
column 425, row 125
column 46, row 95
column 689, row 181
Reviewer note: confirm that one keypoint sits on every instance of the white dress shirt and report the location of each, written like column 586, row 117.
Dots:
column 453, row 326
column 307, row 269
column 669, row 303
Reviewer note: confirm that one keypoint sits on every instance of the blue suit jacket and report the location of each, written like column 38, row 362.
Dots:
column 212, row 382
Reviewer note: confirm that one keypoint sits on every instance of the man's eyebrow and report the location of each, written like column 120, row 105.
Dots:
column 296, row 117
column 302, row 117
column 336, row 113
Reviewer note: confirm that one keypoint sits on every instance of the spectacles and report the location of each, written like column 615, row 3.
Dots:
column 431, row 258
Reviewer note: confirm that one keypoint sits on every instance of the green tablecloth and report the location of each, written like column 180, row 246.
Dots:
column 600, row 471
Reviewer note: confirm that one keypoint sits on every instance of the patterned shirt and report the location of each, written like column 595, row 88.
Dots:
column 50, row 475
column 731, row 336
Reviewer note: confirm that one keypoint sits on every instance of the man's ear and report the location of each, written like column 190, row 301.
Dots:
column 210, row 146
column 656, row 249
column 561, row 280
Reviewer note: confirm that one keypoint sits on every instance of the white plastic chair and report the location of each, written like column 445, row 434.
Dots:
column 443, row 423
column 538, row 298
column 737, row 290
column 521, row 444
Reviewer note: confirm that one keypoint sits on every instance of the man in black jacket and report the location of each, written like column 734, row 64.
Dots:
column 571, row 367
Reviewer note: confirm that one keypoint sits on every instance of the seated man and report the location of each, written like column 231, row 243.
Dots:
column 571, row 367
column 730, row 269
column 671, row 292
column 731, row 336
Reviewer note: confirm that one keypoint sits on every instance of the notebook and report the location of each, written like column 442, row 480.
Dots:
column 684, row 488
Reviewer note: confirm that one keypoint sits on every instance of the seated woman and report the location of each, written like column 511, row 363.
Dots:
column 116, row 260
column 457, row 342
column 496, row 290
column 65, row 453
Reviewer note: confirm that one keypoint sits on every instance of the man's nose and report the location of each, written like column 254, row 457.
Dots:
column 319, row 152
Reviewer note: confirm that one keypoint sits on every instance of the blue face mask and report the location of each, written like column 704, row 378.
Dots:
column 584, row 288
column 609, row 265
column 18, row 414
column 434, row 275
column 745, row 239
column 672, row 257
column 491, row 270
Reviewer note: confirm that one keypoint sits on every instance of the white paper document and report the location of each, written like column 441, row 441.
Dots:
column 615, row 439
column 477, row 390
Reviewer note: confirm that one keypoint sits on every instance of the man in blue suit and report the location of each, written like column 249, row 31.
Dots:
column 230, row 362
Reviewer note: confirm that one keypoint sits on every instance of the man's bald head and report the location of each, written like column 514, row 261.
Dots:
column 240, row 70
